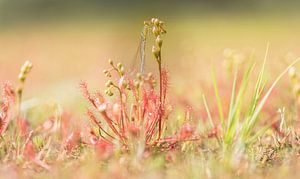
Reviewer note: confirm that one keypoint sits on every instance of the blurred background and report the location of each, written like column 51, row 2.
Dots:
column 71, row 40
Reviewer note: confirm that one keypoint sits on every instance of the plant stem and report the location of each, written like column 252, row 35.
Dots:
column 160, row 97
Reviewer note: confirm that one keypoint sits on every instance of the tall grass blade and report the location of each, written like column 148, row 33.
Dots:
column 219, row 102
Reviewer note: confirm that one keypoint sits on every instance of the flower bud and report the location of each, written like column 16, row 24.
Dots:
column 154, row 82
column 150, row 75
column 105, row 71
column 137, row 84
column 119, row 65
column 153, row 20
column 155, row 52
column 110, row 62
column 21, row 77
column 156, row 22
column 155, row 31
column 139, row 76
column 109, row 83
column 122, row 71
column 109, row 92
column 297, row 89
column 25, row 69
column 146, row 23
column 159, row 41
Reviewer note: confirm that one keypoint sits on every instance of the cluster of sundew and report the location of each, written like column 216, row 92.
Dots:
column 123, row 82
column 295, row 83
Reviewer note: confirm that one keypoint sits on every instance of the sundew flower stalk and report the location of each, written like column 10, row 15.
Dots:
column 138, row 112
column 157, row 29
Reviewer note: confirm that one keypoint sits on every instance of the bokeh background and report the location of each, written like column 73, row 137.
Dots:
column 71, row 40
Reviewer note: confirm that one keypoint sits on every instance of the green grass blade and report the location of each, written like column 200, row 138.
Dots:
column 208, row 112
column 219, row 102
column 235, row 112
column 254, row 118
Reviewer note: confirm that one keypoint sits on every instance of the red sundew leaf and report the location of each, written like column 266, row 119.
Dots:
column 48, row 124
column 4, row 121
column 147, row 154
column 93, row 139
column 8, row 98
column 169, row 139
column 65, row 125
column 165, row 83
column 133, row 130
column 186, row 131
column 8, row 93
column 103, row 149
column 86, row 94
column 93, row 118
column 213, row 133
column 72, row 141
column 29, row 151
column 23, row 126
column 170, row 157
